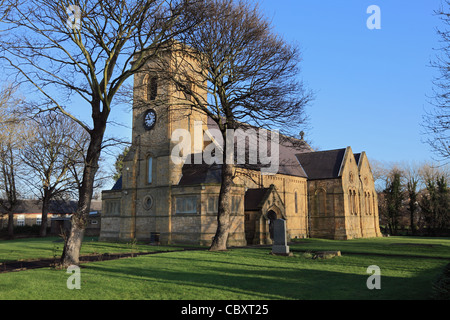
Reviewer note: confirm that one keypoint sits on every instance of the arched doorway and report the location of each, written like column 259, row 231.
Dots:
column 271, row 217
column 262, row 208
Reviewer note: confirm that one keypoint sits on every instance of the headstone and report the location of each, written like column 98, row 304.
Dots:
column 279, row 238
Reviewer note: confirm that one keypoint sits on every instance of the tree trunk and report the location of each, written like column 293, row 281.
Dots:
column 223, row 216
column 11, row 225
column 44, row 219
column 72, row 247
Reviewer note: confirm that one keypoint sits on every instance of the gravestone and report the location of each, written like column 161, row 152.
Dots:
column 280, row 246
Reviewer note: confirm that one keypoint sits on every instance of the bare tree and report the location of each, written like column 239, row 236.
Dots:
column 435, row 205
column 414, row 192
column 12, row 132
column 250, row 74
column 50, row 155
column 437, row 120
column 380, row 171
column 394, row 195
column 412, row 188
column 86, row 49
column 5, row 7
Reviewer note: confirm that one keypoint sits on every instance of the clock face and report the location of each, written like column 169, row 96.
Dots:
column 149, row 119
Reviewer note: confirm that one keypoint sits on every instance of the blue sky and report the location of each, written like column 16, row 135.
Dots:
column 371, row 85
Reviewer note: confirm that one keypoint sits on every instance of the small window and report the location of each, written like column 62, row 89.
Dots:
column 147, row 202
column 358, row 202
column 20, row 220
column 296, row 202
column 374, row 203
column 213, row 204
column 186, row 205
column 149, row 170
column 187, row 93
column 113, row 207
column 152, row 88
column 367, row 203
column 39, row 220
column 350, row 199
column 235, row 204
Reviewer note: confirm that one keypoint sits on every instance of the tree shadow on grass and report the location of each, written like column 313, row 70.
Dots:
column 228, row 280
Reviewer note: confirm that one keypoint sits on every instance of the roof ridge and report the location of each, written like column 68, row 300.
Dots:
column 322, row 151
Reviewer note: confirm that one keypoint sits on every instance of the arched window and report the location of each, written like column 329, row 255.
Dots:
column 358, row 205
column 152, row 88
column 367, row 203
column 149, row 170
column 355, row 207
column 353, row 201
column 374, row 203
column 188, row 90
column 350, row 200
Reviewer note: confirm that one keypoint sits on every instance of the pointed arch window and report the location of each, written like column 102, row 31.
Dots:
column 152, row 88
column 374, row 203
column 367, row 204
column 188, row 92
column 149, row 170
column 353, row 201
column 350, row 199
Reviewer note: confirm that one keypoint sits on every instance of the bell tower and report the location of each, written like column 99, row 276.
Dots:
column 159, row 108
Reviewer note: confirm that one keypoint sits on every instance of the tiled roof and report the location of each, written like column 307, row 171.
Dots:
column 56, row 207
column 322, row 164
column 288, row 163
column 254, row 198
column 118, row 184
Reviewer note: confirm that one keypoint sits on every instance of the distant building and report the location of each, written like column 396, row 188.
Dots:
column 29, row 212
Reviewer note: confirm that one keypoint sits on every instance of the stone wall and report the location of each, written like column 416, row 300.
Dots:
column 345, row 207
column 287, row 187
column 326, row 209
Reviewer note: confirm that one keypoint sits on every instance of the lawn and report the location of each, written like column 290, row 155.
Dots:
column 408, row 268
column 51, row 247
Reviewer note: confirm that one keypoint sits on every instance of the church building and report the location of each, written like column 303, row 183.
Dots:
column 321, row 194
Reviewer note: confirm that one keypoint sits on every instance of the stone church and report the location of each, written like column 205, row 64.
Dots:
column 324, row 194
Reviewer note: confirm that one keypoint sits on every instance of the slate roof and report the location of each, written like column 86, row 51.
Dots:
column 254, row 197
column 193, row 174
column 296, row 158
column 118, row 184
column 357, row 157
column 322, row 164
column 288, row 163
column 56, row 207
column 35, row 206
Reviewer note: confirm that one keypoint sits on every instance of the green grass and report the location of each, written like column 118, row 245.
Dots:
column 39, row 248
column 407, row 272
column 413, row 246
